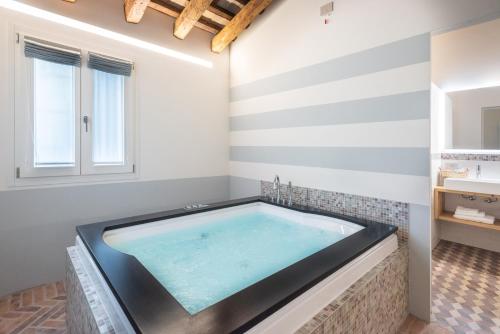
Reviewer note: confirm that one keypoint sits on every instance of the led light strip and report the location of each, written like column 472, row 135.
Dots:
column 472, row 87
column 52, row 17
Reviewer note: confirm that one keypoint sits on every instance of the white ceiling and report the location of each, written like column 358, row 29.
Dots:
column 467, row 58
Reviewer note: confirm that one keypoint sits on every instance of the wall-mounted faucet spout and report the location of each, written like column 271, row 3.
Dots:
column 277, row 186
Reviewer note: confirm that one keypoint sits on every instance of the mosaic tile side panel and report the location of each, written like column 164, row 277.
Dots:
column 84, row 310
column 379, row 210
column 376, row 303
column 468, row 156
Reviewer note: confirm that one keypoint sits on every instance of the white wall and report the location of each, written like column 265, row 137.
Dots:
column 356, row 25
column 472, row 236
column 290, row 65
column 182, row 113
column 467, row 58
column 467, row 121
column 438, row 141
column 172, row 125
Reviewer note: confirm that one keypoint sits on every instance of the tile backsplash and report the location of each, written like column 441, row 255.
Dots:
column 379, row 210
column 470, row 156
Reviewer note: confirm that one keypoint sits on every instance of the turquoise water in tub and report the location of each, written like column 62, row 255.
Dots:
column 201, row 265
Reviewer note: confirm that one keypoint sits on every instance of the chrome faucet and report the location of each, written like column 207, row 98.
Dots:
column 478, row 171
column 277, row 186
column 289, row 193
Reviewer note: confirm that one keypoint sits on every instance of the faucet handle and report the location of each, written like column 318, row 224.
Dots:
column 276, row 181
column 289, row 193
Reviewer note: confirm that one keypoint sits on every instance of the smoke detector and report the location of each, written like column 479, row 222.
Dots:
column 326, row 11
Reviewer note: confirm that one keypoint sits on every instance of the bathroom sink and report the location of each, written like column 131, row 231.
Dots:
column 487, row 186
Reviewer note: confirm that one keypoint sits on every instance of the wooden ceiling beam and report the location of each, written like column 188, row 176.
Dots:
column 239, row 23
column 217, row 15
column 171, row 11
column 237, row 3
column 134, row 10
column 189, row 16
column 212, row 13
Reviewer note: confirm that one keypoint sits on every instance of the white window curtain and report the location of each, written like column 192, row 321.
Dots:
column 54, row 114
column 108, row 139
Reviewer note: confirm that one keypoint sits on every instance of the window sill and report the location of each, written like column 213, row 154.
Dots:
column 46, row 182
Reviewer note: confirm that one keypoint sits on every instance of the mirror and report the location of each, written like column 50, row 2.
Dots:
column 466, row 87
column 490, row 134
column 474, row 119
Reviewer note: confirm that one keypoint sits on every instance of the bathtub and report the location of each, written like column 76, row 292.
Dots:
column 239, row 266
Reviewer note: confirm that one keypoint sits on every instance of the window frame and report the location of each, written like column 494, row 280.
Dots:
column 26, row 174
column 87, row 166
column 24, row 121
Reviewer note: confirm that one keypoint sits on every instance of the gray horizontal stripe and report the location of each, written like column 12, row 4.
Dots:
column 240, row 187
column 405, row 52
column 408, row 106
column 407, row 161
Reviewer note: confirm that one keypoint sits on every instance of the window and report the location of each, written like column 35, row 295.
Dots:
column 108, row 134
column 72, row 118
column 54, row 110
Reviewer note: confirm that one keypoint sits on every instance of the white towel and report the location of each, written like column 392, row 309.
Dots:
column 485, row 220
column 461, row 211
column 468, row 210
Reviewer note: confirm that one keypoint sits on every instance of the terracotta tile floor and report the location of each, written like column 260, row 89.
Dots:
column 39, row 310
column 466, row 298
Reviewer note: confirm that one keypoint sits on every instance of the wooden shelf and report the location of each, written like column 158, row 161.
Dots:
column 448, row 217
column 441, row 214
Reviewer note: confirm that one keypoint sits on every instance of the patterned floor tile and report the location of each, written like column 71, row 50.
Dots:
column 466, row 288
column 39, row 310
column 465, row 292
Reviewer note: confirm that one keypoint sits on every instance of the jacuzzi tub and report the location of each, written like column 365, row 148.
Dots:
column 239, row 266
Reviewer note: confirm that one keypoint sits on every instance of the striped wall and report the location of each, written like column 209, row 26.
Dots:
column 358, row 124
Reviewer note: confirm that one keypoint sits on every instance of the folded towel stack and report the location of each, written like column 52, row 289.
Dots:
column 451, row 170
column 474, row 215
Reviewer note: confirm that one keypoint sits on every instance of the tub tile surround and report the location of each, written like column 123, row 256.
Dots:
column 376, row 303
column 85, row 311
column 379, row 210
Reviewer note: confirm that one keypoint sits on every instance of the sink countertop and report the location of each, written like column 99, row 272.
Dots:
column 481, row 185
